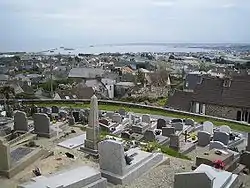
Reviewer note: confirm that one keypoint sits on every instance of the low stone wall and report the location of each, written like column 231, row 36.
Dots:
column 124, row 104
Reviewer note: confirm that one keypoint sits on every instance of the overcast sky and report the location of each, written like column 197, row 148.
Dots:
column 42, row 24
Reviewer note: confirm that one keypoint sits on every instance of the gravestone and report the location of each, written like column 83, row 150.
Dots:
column 189, row 122
column 168, row 131
column 33, row 110
column 248, row 142
column 178, row 126
column 146, row 118
column 117, row 118
column 176, row 120
column 55, row 109
column 111, row 157
column 20, row 121
column 109, row 114
column 42, row 125
column 125, row 135
column 71, row 120
column 140, row 128
column 225, row 128
column 221, row 136
column 204, row 138
column 161, row 123
column 63, row 114
column 122, row 112
column 208, row 127
column 44, row 110
column 149, row 135
column 92, row 131
column 76, row 115
column 217, row 145
column 174, row 142
column 4, row 156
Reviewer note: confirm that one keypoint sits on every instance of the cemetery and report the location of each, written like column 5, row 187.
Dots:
column 117, row 147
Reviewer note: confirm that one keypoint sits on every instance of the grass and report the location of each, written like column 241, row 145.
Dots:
column 114, row 107
column 152, row 146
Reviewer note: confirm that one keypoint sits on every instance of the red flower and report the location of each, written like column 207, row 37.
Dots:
column 218, row 164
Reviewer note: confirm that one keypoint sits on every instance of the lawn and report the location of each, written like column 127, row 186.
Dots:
column 114, row 107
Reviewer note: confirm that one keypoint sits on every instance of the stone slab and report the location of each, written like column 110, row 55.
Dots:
column 77, row 178
column 73, row 142
column 136, row 169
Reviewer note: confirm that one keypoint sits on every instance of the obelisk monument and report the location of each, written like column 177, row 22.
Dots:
column 92, row 131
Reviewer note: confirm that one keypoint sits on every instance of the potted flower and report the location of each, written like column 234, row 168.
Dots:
column 218, row 164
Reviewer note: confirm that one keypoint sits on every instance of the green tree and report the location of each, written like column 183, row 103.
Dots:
column 140, row 78
column 7, row 92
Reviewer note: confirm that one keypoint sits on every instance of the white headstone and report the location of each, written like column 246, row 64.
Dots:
column 145, row 118
column 225, row 128
column 208, row 127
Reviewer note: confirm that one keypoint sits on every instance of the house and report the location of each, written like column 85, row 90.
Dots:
column 123, row 88
column 3, row 79
column 221, row 97
column 86, row 73
column 110, row 85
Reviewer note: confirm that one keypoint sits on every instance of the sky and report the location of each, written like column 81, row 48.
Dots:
column 33, row 25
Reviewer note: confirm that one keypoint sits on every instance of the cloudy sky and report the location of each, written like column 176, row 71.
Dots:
column 41, row 24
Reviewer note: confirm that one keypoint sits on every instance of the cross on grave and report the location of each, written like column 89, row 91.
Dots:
column 186, row 134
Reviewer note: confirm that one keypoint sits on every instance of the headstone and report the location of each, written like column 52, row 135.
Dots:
column 117, row 118
column 203, row 138
column 44, row 110
column 55, row 109
column 208, row 127
column 248, row 142
column 92, row 132
column 177, row 121
column 161, row 123
column 125, row 135
column 4, row 156
column 149, row 135
column 122, row 112
column 178, row 126
column 109, row 114
column 189, row 122
column 63, row 114
column 140, row 128
column 20, row 121
column 174, row 142
column 111, row 156
column 41, row 124
column 71, row 120
column 34, row 109
column 146, row 118
column 168, row 131
column 217, row 145
column 76, row 115
column 221, row 136
column 225, row 128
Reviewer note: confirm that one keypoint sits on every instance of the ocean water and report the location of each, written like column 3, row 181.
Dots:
column 127, row 49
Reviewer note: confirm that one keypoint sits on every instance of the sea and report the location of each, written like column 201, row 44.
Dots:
column 125, row 49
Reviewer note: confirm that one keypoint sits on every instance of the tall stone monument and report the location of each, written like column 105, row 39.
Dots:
column 92, row 132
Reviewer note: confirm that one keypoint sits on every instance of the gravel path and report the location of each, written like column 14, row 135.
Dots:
column 161, row 176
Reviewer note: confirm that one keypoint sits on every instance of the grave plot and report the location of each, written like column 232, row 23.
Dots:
column 19, row 153
column 73, row 142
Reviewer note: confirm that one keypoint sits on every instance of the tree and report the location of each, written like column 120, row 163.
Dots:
column 7, row 92
column 140, row 77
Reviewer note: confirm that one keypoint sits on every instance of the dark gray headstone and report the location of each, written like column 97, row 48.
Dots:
column 20, row 121
column 149, row 135
column 176, row 121
column 203, row 138
column 55, row 109
column 125, row 135
column 178, row 126
column 161, row 123
column 41, row 124
column 189, row 122
column 168, row 131
column 221, row 137
column 174, row 142
column 122, row 111
column 76, row 115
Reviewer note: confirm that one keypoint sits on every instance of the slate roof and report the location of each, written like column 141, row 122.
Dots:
column 213, row 91
column 86, row 73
